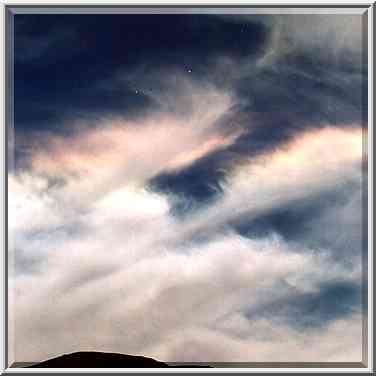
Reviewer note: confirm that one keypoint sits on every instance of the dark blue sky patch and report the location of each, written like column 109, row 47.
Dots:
column 334, row 300
column 293, row 220
column 329, row 221
column 61, row 60
column 192, row 187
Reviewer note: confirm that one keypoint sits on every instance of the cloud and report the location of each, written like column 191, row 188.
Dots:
column 317, row 221
column 186, row 201
column 332, row 35
column 168, row 292
column 35, row 207
column 118, row 151
column 123, row 267
column 259, row 341
column 298, row 170
column 335, row 38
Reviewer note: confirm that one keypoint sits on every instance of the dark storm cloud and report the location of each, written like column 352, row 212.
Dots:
column 332, row 301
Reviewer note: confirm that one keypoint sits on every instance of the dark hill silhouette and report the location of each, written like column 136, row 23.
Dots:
column 94, row 359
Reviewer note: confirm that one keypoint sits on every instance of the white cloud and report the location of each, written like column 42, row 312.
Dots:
column 332, row 37
column 121, row 274
column 243, row 341
column 120, row 152
column 301, row 168
column 110, row 298
column 101, row 264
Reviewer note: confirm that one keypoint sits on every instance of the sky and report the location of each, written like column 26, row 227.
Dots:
column 188, row 187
